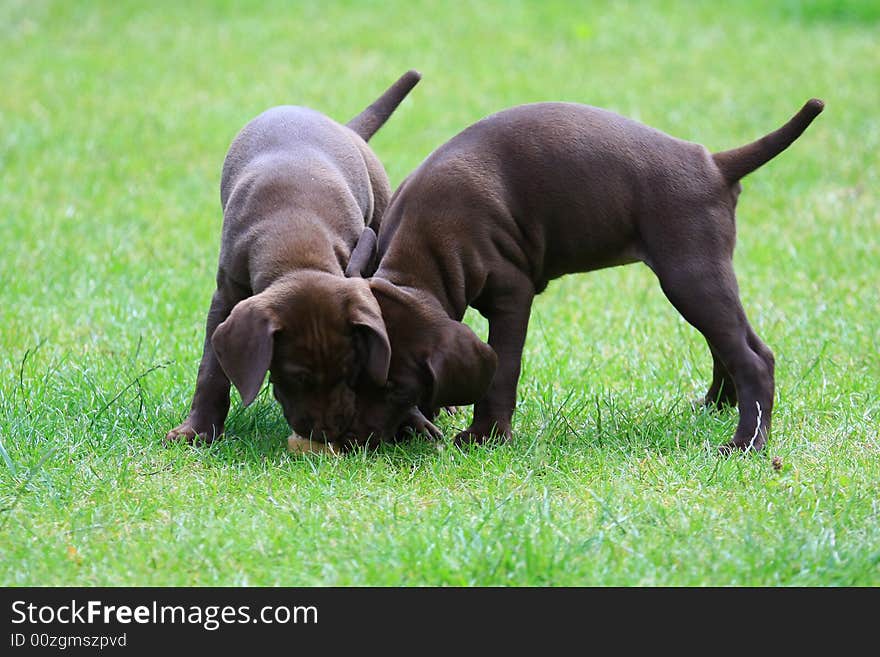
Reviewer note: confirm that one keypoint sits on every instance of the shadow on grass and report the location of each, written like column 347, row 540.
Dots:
column 259, row 433
column 599, row 422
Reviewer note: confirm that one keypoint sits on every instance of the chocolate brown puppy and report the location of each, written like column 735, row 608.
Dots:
column 297, row 190
column 539, row 191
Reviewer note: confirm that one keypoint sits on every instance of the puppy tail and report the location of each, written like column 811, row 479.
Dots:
column 368, row 122
column 739, row 162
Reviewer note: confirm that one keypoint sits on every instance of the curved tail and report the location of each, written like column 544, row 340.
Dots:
column 368, row 122
column 739, row 162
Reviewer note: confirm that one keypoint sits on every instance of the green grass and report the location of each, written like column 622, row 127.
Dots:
column 116, row 119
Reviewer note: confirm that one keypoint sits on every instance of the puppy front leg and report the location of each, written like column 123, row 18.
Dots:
column 508, row 324
column 210, row 404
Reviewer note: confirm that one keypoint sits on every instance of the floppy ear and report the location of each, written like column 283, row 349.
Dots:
column 366, row 317
column 243, row 345
column 363, row 258
column 462, row 367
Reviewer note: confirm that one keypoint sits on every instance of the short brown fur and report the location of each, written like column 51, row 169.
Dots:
column 297, row 190
column 539, row 191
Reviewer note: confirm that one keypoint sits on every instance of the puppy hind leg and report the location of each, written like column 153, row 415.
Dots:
column 762, row 350
column 707, row 296
column 722, row 390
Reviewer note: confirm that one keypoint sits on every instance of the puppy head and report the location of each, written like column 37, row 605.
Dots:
column 316, row 334
column 435, row 362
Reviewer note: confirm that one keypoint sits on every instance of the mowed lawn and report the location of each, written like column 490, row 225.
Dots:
column 116, row 117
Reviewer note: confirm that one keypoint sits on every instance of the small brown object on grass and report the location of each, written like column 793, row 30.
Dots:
column 300, row 445
column 776, row 462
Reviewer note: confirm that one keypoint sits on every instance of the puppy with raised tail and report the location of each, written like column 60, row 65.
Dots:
column 539, row 191
column 297, row 190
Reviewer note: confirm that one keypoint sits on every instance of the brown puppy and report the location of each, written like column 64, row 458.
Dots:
column 297, row 189
column 538, row 191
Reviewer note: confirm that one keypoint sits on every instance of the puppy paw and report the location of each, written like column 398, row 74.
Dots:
column 417, row 423
column 189, row 433
column 740, row 447
column 478, row 436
